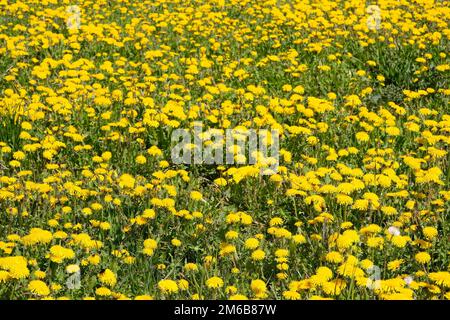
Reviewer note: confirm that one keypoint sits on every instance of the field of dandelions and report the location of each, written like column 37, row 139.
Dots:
column 93, row 207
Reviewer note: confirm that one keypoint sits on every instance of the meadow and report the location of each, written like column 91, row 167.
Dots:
column 92, row 206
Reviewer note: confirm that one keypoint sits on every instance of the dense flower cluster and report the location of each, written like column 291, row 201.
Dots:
column 93, row 207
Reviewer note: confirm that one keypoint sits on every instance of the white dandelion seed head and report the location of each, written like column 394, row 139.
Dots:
column 74, row 19
column 408, row 280
column 394, row 231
